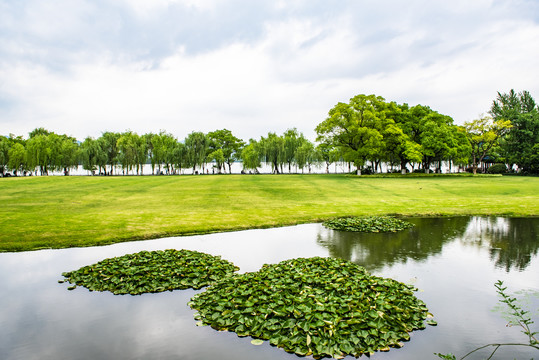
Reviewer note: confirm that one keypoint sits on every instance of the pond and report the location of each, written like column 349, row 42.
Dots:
column 454, row 263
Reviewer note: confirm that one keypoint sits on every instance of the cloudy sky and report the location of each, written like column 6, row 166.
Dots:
column 82, row 67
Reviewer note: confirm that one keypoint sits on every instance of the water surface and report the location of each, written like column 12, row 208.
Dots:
column 453, row 261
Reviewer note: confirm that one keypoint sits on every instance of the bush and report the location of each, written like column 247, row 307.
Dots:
column 497, row 169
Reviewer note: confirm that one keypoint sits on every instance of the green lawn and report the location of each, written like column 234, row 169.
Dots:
column 57, row 212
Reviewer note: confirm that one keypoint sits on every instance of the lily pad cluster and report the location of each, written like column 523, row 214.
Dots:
column 368, row 224
column 314, row 306
column 152, row 271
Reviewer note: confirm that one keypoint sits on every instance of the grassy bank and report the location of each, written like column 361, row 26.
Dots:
column 56, row 212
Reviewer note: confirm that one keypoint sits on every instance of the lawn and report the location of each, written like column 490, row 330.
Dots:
column 58, row 212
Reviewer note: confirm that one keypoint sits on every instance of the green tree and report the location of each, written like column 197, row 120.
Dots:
column 132, row 152
column 482, row 135
column 229, row 145
column 273, row 147
column 327, row 153
column 92, row 155
column 250, row 156
column 108, row 143
column 17, row 158
column 179, row 155
column 4, row 154
column 196, row 144
column 521, row 145
column 161, row 148
column 356, row 128
column 39, row 153
column 68, row 154
column 305, row 153
column 291, row 145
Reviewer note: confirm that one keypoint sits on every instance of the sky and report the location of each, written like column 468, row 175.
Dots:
column 83, row 67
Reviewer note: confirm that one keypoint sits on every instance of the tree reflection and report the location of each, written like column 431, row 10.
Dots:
column 376, row 250
column 511, row 242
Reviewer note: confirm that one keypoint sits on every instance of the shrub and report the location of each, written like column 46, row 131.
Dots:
column 497, row 169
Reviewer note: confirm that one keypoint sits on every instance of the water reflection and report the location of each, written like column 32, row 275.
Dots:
column 454, row 261
column 376, row 250
column 511, row 241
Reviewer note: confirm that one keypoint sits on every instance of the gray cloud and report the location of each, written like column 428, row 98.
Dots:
column 77, row 66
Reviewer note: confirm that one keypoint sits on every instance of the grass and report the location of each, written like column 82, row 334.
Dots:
column 59, row 212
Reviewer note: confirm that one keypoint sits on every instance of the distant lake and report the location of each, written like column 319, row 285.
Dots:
column 453, row 261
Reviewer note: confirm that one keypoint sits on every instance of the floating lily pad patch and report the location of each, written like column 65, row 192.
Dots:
column 152, row 271
column 368, row 224
column 314, row 306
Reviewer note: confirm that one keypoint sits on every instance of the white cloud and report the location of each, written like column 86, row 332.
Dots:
column 261, row 72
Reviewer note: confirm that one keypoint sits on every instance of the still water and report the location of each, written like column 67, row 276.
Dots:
column 453, row 261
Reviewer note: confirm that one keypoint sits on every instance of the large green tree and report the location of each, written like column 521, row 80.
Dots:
column 356, row 128
column 521, row 145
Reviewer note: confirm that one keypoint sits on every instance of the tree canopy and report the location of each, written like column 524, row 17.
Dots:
column 368, row 131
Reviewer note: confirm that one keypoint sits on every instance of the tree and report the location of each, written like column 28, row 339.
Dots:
column 39, row 153
column 132, row 152
column 196, row 144
column 229, row 145
column 4, row 154
column 521, row 145
column 327, row 153
column 291, row 144
column 38, row 131
column 108, row 142
column 179, row 156
column 482, row 135
column 68, row 154
column 273, row 146
column 250, row 155
column 356, row 128
column 160, row 148
column 305, row 154
column 92, row 155
column 17, row 158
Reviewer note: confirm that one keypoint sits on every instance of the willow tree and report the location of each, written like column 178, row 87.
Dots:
column 196, row 144
column 4, row 154
column 250, row 156
column 273, row 147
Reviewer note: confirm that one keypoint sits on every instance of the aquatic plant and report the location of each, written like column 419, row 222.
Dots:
column 151, row 271
column 368, row 224
column 314, row 306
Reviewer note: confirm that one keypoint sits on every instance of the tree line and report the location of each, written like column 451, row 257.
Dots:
column 367, row 132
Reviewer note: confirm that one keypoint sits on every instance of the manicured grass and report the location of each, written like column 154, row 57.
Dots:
column 57, row 212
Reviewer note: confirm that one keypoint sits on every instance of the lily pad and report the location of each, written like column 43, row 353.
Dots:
column 316, row 306
column 152, row 271
column 368, row 224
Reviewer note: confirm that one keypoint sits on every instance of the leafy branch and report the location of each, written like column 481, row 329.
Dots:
column 520, row 318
